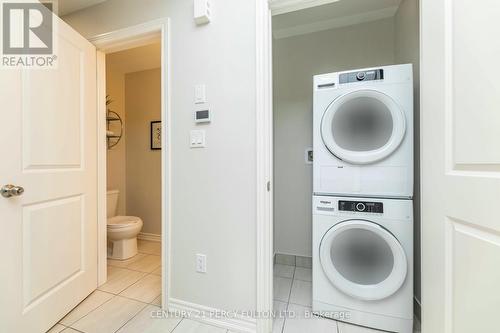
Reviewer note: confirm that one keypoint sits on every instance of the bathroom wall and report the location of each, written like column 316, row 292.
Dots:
column 407, row 50
column 143, row 173
column 115, row 88
column 296, row 60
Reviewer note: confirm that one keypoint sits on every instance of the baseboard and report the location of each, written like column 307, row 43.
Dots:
column 149, row 237
column 235, row 323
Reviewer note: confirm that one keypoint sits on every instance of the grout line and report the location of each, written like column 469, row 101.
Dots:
column 173, row 329
column 71, row 325
column 135, row 315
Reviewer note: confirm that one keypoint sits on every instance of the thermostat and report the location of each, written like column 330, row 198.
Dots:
column 202, row 116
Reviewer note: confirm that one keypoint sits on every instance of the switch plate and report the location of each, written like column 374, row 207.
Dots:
column 197, row 139
column 200, row 95
column 201, row 263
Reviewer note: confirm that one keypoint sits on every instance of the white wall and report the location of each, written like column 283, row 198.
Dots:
column 407, row 47
column 214, row 188
column 213, row 202
column 296, row 60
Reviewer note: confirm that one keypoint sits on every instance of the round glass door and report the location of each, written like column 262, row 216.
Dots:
column 363, row 260
column 363, row 127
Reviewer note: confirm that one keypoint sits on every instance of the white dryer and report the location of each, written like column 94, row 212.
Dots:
column 363, row 261
column 363, row 132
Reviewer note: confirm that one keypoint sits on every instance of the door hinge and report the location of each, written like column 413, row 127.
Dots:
column 268, row 186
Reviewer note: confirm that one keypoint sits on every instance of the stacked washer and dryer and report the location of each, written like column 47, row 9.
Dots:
column 362, row 197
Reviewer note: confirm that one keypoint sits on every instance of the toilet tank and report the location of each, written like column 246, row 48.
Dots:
column 112, row 202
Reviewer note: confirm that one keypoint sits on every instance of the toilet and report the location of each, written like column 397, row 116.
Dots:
column 122, row 230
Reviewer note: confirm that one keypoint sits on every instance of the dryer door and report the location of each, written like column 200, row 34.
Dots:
column 363, row 127
column 363, row 260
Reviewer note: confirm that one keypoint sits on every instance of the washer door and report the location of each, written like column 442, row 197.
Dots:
column 363, row 260
column 363, row 127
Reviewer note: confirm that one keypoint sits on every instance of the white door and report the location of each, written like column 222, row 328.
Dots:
column 460, row 166
column 48, row 238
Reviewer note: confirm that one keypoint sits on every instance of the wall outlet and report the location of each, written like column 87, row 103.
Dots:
column 201, row 263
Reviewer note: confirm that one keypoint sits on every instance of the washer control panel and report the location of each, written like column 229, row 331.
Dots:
column 361, row 206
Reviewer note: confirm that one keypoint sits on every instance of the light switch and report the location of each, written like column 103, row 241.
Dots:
column 200, row 94
column 197, row 139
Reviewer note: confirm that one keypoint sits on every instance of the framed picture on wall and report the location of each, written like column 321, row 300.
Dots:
column 155, row 135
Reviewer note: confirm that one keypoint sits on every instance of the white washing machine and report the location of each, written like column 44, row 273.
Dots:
column 363, row 132
column 363, row 261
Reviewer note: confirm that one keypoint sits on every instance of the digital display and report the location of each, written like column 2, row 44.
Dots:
column 204, row 114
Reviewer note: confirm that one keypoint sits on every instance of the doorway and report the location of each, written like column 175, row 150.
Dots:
column 326, row 38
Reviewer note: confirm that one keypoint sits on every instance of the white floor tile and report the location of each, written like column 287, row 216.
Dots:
column 191, row 326
column 303, row 274
column 282, row 288
column 57, row 328
column 279, row 309
column 146, row 264
column 157, row 301
column 149, row 247
column 120, row 279
column 125, row 263
column 305, row 322
column 70, row 330
column 348, row 328
column 94, row 300
column 285, row 271
column 301, row 293
column 144, row 290
column 109, row 317
column 149, row 321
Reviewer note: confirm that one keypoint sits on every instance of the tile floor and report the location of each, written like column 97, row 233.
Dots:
column 293, row 292
column 126, row 302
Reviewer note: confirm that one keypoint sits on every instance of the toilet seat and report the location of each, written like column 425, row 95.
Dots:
column 118, row 222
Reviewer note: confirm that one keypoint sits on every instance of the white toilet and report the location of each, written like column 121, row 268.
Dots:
column 122, row 230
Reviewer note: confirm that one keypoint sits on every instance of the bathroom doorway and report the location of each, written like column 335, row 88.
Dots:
column 133, row 173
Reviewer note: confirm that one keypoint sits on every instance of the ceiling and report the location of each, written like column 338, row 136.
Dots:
column 66, row 7
column 333, row 15
column 136, row 59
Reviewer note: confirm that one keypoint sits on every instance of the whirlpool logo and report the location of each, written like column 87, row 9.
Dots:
column 27, row 34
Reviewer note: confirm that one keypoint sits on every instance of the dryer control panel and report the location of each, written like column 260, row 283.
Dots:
column 369, row 75
column 361, row 206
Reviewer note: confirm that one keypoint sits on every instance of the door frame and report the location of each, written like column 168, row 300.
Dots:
column 114, row 41
column 264, row 165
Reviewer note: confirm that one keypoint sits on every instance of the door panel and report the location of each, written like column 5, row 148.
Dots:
column 45, row 127
column 48, row 243
column 473, row 60
column 460, row 166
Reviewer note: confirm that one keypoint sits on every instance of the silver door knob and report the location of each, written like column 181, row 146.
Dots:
column 9, row 190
